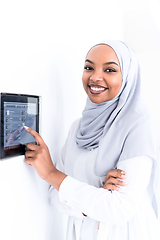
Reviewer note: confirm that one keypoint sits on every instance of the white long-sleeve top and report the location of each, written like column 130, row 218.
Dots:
column 111, row 215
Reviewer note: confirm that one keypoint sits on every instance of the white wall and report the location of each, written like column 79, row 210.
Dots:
column 42, row 48
column 142, row 33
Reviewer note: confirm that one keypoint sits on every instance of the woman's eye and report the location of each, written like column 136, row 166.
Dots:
column 88, row 68
column 110, row 70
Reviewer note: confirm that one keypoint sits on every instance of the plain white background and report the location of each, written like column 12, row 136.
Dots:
column 42, row 50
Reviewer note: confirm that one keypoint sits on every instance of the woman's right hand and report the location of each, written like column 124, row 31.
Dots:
column 114, row 179
column 39, row 157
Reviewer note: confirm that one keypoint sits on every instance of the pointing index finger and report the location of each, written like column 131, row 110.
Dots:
column 36, row 135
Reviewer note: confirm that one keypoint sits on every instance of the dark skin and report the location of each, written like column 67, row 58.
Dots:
column 113, row 179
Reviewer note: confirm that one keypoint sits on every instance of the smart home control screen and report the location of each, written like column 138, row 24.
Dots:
column 16, row 116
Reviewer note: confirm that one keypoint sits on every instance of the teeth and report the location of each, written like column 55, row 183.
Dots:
column 97, row 89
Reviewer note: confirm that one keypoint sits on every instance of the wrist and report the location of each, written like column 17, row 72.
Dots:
column 55, row 178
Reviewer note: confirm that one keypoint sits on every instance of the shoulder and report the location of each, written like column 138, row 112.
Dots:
column 70, row 140
column 74, row 127
column 75, row 124
column 135, row 117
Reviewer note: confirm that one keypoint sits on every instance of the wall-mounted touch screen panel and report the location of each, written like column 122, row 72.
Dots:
column 17, row 111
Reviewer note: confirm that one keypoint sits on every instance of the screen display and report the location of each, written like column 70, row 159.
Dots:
column 16, row 116
column 17, row 111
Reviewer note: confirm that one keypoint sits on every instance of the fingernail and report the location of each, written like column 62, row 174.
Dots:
column 123, row 176
column 122, row 172
column 26, row 127
column 124, row 183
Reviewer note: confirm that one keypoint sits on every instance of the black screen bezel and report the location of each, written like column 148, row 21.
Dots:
column 23, row 98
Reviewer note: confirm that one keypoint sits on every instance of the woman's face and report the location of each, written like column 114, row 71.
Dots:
column 102, row 77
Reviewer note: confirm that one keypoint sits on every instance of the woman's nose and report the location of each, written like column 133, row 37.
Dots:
column 96, row 76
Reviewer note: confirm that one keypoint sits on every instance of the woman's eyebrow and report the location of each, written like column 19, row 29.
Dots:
column 107, row 63
column 87, row 60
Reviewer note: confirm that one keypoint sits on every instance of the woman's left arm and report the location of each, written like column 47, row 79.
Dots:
column 113, row 207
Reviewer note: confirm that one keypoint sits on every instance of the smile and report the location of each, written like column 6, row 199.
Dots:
column 96, row 89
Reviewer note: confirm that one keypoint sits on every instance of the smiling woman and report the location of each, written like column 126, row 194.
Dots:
column 111, row 142
column 102, row 77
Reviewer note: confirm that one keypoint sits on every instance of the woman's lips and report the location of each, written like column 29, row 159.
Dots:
column 96, row 89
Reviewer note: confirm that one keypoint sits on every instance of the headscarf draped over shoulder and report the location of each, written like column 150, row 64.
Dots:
column 121, row 127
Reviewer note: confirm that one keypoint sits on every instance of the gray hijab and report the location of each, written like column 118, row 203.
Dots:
column 119, row 128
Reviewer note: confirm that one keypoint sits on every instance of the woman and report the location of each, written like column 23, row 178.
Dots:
column 114, row 133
